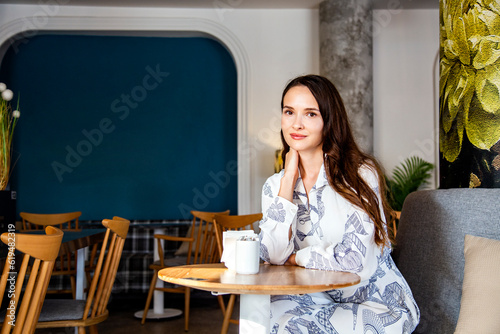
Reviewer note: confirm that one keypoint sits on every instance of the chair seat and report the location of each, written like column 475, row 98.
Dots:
column 62, row 309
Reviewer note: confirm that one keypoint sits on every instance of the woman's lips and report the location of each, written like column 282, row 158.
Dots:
column 296, row 136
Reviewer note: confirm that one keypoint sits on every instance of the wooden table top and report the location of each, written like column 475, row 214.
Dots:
column 271, row 279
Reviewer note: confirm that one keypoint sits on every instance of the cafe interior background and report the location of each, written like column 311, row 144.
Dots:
column 150, row 111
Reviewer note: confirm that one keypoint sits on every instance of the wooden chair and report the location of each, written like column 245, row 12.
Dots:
column 37, row 221
column 57, row 313
column 26, row 296
column 66, row 263
column 395, row 222
column 232, row 223
column 201, row 248
column 93, row 258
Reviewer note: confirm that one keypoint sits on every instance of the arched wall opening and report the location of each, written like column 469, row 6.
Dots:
column 175, row 28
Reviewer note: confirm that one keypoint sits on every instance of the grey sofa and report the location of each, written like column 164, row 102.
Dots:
column 429, row 248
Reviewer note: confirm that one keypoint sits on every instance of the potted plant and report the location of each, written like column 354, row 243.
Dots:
column 413, row 174
column 8, row 120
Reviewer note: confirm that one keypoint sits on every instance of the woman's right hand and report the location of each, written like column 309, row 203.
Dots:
column 290, row 175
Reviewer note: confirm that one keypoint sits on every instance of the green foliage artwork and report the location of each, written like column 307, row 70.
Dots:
column 469, row 92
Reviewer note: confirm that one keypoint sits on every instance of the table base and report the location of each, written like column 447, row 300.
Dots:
column 167, row 313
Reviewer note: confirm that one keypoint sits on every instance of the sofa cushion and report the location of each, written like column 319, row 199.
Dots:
column 480, row 304
column 430, row 244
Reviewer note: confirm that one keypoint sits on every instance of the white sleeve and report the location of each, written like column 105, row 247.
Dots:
column 278, row 214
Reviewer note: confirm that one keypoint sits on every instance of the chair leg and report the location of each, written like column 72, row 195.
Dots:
column 81, row 330
column 150, row 296
column 89, row 277
column 228, row 314
column 220, row 299
column 73, row 285
column 93, row 329
column 187, row 299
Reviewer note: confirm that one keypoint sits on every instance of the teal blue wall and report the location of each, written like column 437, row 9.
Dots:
column 144, row 128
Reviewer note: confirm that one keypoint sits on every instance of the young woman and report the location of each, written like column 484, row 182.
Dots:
column 327, row 210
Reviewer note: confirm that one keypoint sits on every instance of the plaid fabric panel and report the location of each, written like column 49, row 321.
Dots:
column 59, row 283
column 133, row 273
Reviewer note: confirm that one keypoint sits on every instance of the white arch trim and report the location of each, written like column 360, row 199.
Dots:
column 158, row 26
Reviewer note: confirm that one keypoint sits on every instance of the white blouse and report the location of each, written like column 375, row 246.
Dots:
column 329, row 233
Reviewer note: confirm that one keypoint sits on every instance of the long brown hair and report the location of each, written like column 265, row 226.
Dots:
column 343, row 158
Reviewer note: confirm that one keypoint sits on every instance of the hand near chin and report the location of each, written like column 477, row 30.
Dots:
column 292, row 164
column 290, row 175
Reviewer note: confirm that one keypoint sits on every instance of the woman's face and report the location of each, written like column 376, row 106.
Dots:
column 301, row 120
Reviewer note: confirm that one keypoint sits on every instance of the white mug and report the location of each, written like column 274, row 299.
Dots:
column 247, row 256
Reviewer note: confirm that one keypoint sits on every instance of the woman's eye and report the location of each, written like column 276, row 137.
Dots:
column 312, row 114
column 287, row 112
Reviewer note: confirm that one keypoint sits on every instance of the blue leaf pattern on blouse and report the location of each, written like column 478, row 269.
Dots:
column 264, row 253
column 267, row 190
column 276, row 212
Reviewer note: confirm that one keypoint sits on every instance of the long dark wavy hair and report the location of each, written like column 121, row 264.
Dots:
column 343, row 158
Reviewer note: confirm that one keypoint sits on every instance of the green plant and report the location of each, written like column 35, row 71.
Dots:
column 412, row 174
column 8, row 120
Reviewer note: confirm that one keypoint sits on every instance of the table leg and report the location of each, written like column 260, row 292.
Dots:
column 158, row 311
column 80, row 273
column 255, row 314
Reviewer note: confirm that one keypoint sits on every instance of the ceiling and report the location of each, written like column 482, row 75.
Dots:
column 378, row 4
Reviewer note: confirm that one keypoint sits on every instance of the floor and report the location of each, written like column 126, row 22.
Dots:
column 205, row 316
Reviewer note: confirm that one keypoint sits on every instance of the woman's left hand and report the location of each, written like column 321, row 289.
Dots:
column 291, row 261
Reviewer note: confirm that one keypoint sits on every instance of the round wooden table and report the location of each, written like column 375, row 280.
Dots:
column 255, row 290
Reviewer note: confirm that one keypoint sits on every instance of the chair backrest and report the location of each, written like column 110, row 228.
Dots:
column 106, row 267
column 65, row 221
column 233, row 223
column 205, row 246
column 26, row 298
column 199, row 244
